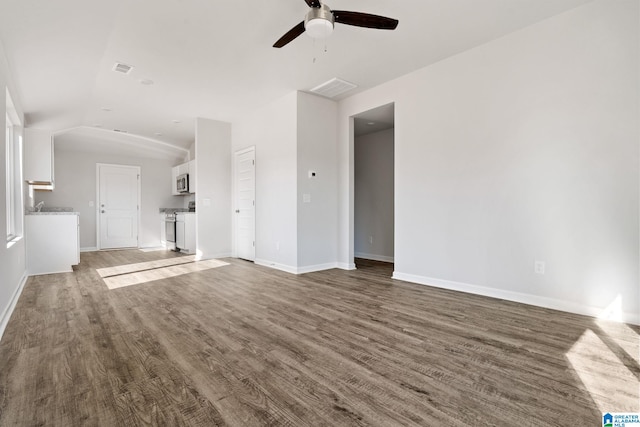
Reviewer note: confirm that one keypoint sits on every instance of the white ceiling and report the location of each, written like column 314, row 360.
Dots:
column 103, row 140
column 213, row 58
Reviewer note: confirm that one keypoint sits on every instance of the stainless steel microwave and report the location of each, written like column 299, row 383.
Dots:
column 182, row 183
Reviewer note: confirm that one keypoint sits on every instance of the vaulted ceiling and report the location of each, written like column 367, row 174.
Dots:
column 214, row 59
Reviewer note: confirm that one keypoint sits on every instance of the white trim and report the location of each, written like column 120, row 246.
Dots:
column 275, row 265
column 90, row 249
column 346, row 265
column 317, row 267
column 199, row 256
column 374, row 257
column 4, row 320
column 11, row 109
column 69, row 270
column 246, row 150
column 296, row 270
column 552, row 303
column 98, row 229
column 234, row 204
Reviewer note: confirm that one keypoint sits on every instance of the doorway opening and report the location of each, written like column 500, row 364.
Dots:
column 374, row 171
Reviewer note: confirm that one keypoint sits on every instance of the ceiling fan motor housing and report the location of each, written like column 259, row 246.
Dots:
column 319, row 22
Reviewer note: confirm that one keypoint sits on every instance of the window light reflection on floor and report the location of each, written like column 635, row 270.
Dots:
column 144, row 272
column 611, row 385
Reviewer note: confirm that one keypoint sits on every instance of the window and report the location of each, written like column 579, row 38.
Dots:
column 11, row 221
column 13, row 178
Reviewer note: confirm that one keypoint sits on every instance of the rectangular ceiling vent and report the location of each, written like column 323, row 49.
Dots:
column 333, row 88
column 119, row 67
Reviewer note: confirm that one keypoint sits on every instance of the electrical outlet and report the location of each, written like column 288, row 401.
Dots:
column 277, row 246
column 371, row 240
column 539, row 267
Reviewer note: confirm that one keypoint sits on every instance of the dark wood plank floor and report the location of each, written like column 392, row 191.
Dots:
column 244, row 345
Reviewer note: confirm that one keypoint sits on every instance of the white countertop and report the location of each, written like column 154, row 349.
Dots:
column 52, row 213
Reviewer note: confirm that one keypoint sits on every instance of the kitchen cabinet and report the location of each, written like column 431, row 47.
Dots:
column 176, row 171
column 38, row 157
column 52, row 241
column 163, row 230
column 180, row 232
column 181, row 169
column 186, row 231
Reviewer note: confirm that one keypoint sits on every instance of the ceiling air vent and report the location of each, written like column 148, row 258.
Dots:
column 333, row 88
column 119, row 67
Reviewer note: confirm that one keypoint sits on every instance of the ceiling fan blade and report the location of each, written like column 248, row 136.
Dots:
column 367, row 20
column 313, row 3
column 291, row 35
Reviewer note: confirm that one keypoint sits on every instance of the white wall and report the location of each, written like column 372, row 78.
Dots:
column 213, row 188
column 317, row 151
column 272, row 129
column 373, row 198
column 293, row 135
column 76, row 187
column 522, row 149
column 12, row 259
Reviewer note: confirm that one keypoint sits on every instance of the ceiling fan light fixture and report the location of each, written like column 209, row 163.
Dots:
column 318, row 23
column 319, row 28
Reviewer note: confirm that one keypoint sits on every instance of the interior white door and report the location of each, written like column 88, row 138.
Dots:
column 118, row 196
column 245, row 191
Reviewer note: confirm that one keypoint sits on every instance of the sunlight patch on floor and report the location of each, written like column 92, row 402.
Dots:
column 612, row 386
column 154, row 249
column 140, row 266
column 623, row 336
column 135, row 274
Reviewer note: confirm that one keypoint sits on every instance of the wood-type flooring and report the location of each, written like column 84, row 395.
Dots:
column 244, row 345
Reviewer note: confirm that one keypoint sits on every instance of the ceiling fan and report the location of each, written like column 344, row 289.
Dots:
column 319, row 21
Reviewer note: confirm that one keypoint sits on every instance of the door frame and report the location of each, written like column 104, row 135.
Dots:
column 97, row 202
column 234, row 222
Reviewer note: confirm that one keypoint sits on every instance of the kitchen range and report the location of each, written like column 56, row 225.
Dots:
column 179, row 228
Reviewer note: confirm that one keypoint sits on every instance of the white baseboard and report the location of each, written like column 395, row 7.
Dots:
column 8, row 311
column 346, row 265
column 317, row 267
column 555, row 304
column 296, row 270
column 42, row 273
column 275, row 265
column 374, row 257
column 201, row 257
column 91, row 249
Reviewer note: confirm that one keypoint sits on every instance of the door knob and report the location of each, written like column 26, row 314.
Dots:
column 237, row 210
